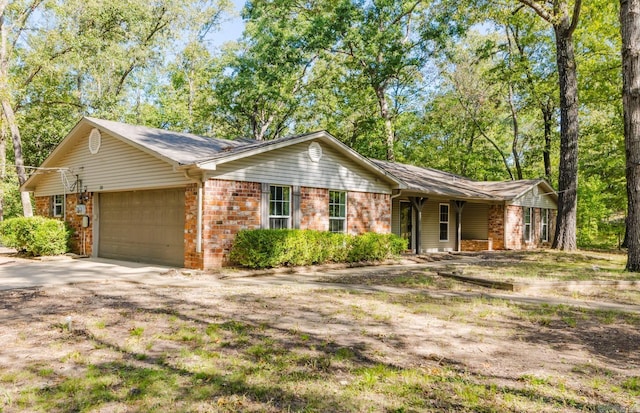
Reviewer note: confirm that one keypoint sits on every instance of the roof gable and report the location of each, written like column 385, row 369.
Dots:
column 184, row 150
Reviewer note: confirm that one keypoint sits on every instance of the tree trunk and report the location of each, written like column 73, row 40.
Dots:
column 565, row 235
column 547, row 116
column 388, row 125
column 19, row 160
column 3, row 167
column 7, row 109
column 516, row 133
column 630, row 28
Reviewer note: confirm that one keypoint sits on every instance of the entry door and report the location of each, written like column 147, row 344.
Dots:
column 406, row 222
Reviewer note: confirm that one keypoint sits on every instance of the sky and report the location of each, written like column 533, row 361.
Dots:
column 231, row 29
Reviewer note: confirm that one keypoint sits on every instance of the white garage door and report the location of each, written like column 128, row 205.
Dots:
column 143, row 226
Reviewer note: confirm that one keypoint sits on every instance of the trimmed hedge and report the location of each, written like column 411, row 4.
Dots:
column 35, row 235
column 268, row 248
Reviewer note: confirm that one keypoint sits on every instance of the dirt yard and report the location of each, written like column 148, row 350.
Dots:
column 382, row 339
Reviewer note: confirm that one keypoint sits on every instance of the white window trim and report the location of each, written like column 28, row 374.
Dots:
column 346, row 212
column 289, row 217
column 55, row 203
column 440, row 222
column 525, row 224
column 544, row 223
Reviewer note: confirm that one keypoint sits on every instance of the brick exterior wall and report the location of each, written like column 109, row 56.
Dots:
column 314, row 208
column 515, row 228
column 43, row 206
column 81, row 241
column 368, row 212
column 496, row 226
column 476, row 245
column 229, row 206
column 192, row 259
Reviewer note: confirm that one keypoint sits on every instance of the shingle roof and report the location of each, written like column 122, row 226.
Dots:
column 183, row 148
column 440, row 183
column 435, row 182
column 186, row 149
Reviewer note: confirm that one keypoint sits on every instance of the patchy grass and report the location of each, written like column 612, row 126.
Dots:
column 259, row 347
column 550, row 265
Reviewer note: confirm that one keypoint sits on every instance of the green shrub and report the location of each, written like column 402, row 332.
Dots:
column 35, row 235
column 264, row 248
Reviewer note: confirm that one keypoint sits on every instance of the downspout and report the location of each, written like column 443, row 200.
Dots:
column 199, row 217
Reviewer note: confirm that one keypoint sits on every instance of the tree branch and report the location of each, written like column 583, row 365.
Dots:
column 539, row 9
column 575, row 17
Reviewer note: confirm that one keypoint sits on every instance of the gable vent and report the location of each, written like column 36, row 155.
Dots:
column 95, row 139
column 315, row 151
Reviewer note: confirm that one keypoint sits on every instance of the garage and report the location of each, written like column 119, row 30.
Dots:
column 143, row 226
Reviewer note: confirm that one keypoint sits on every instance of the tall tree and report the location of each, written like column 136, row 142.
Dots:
column 85, row 52
column 13, row 21
column 630, row 28
column 564, row 20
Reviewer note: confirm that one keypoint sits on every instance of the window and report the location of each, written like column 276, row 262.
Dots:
column 337, row 211
column 279, row 206
column 58, row 205
column 444, row 222
column 544, row 225
column 526, row 233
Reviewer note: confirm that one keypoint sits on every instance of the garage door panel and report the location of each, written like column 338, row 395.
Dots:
column 143, row 226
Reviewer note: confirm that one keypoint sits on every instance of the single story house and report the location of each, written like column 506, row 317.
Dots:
column 150, row 195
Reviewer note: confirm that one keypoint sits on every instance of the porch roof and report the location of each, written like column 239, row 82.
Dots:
column 439, row 183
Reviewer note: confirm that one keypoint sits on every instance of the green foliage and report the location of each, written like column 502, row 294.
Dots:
column 35, row 235
column 264, row 248
column 11, row 206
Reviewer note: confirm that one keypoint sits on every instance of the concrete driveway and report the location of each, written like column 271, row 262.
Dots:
column 21, row 273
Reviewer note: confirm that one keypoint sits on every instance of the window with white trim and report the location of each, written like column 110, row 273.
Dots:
column 544, row 225
column 528, row 219
column 444, row 222
column 58, row 205
column 279, row 207
column 337, row 211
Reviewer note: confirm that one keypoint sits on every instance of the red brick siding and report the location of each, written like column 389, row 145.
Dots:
column 496, row 226
column 368, row 212
column 192, row 259
column 229, row 206
column 476, row 245
column 314, row 208
column 82, row 238
column 515, row 228
column 43, row 206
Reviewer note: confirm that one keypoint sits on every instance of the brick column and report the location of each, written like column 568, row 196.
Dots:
column 496, row 226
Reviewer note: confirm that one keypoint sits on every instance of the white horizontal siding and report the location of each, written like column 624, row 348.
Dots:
column 291, row 166
column 395, row 216
column 116, row 167
column 430, row 228
column 475, row 221
column 536, row 201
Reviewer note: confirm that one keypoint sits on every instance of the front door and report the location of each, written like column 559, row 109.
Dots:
column 406, row 223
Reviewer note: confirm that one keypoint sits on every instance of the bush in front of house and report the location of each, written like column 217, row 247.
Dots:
column 35, row 236
column 268, row 248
